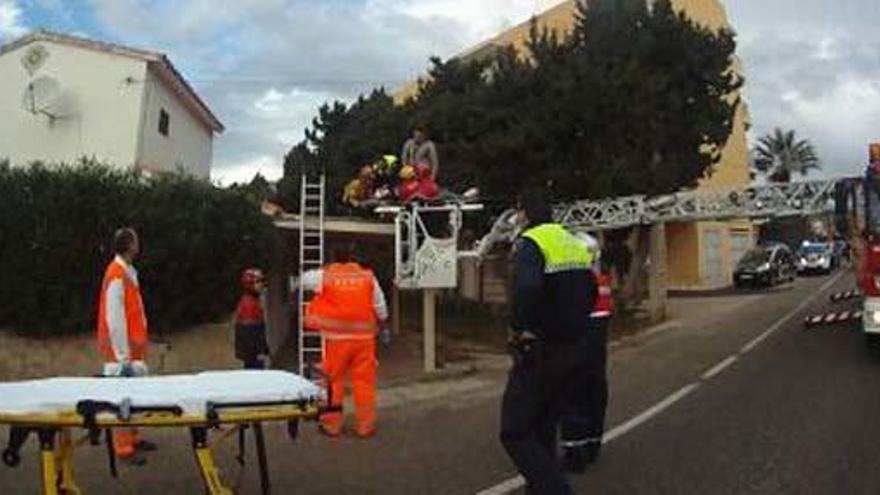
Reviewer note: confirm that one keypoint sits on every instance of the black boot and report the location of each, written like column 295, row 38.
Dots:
column 574, row 460
column 591, row 451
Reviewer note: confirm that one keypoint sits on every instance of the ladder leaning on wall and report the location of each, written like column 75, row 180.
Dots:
column 311, row 257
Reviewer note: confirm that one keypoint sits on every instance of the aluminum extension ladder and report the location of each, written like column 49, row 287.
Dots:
column 311, row 257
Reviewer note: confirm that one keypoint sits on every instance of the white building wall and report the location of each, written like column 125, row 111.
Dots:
column 102, row 96
column 187, row 147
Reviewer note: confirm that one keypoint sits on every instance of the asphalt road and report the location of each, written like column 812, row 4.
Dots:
column 737, row 398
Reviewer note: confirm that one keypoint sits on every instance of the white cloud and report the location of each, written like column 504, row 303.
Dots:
column 817, row 72
column 268, row 124
column 244, row 171
column 11, row 25
column 841, row 122
column 266, row 65
column 476, row 20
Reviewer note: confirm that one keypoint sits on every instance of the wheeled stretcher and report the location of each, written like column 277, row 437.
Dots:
column 53, row 409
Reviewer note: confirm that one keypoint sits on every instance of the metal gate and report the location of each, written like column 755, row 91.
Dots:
column 740, row 243
column 713, row 266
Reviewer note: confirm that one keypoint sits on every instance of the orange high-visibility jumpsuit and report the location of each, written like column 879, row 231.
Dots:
column 122, row 334
column 346, row 310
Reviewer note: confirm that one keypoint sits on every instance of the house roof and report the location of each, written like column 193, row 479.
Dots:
column 158, row 62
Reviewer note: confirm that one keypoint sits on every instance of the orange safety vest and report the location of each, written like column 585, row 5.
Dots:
column 135, row 317
column 604, row 304
column 344, row 305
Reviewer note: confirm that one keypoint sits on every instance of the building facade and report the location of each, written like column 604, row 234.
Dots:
column 63, row 98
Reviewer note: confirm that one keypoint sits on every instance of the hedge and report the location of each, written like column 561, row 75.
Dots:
column 56, row 223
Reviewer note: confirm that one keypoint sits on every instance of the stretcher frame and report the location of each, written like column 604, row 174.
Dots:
column 58, row 445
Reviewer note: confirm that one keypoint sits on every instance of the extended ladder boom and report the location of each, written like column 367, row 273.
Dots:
column 773, row 200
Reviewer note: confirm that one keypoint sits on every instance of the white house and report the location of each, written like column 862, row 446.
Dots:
column 63, row 97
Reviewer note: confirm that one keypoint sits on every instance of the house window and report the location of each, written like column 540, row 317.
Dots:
column 164, row 122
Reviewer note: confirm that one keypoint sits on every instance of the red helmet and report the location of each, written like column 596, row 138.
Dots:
column 250, row 278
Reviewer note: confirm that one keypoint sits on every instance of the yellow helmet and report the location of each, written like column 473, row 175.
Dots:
column 407, row 172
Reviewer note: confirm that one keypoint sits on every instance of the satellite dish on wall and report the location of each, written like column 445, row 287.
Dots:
column 42, row 96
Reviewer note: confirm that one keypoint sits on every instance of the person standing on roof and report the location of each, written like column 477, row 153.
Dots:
column 552, row 293
column 122, row 334
column 349, row 309
column 583, row 419
column 420, row 149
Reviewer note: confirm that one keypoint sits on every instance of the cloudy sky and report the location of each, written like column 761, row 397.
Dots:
column 265, row 65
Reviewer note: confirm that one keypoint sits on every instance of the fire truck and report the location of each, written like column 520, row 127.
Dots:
column 858, row 210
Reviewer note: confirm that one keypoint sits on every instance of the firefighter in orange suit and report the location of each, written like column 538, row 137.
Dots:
column 349, row 310
column 122, row 331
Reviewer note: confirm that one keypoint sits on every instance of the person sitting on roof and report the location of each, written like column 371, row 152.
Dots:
column 360, row 189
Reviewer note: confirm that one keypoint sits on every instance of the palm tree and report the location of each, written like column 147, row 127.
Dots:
column 780, row 154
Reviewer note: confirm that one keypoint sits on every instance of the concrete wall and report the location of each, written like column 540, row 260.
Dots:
column 188, row 145
column 683, row 254
column 99, row 113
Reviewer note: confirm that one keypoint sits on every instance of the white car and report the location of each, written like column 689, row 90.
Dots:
column 816, row 257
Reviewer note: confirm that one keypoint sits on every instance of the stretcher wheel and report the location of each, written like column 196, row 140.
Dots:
column 11, row 458
column 293, row 429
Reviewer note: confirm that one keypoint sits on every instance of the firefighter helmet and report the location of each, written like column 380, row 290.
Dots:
column 250, row 278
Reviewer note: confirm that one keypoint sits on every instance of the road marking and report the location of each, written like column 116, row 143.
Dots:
column 505, row 487
column 623, row 429
column 718, row 368
column 517, row 482
column 782, row 321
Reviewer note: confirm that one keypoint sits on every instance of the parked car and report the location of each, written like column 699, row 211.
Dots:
column 817, row 257
column 765, row 266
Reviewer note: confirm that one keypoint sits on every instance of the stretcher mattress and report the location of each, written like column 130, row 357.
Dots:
column 191, row 393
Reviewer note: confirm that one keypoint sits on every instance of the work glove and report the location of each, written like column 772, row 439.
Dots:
column 385, row 335
column 520, row 343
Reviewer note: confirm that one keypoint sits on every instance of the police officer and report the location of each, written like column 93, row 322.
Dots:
column 552, row 293
column 583, row 419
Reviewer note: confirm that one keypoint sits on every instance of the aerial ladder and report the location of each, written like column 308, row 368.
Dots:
column 754, row 202
column 426, row 258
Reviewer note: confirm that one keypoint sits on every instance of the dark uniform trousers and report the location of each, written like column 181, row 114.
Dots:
column 536, row 392
column 583, row 418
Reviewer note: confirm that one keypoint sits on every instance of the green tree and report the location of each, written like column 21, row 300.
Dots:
column 661, row 90
column 257, row 190
column 57, row 222
column 780, row 154
column 636, row 101
column 343, row 138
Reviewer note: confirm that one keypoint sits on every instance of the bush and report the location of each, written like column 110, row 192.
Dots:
column 56, row 223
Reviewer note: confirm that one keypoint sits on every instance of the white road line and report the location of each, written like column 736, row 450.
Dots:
column 514, row 483
column 718, row 368
column 782, row 321
column 505, row 487
column 649, row 413
column 517, row 482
